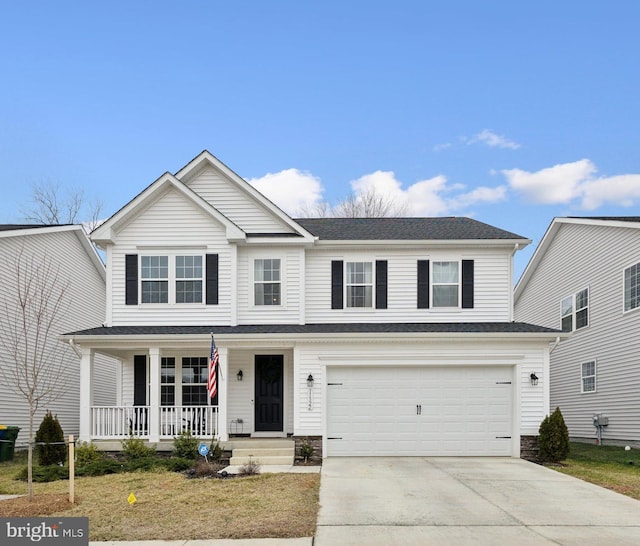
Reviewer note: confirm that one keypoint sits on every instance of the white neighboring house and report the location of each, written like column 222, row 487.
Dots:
column 584, row 277
column 389, row 336
column 68, row 250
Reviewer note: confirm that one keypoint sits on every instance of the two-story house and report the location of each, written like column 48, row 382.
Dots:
column 54, row 259
column 388, row 336
column 584, row 278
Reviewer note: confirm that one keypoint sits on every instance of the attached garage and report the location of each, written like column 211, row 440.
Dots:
column 420, row 410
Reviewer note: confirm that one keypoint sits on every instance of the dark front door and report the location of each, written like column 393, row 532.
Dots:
column 269, row 389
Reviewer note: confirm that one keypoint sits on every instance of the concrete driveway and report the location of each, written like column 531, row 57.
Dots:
column 492, row 501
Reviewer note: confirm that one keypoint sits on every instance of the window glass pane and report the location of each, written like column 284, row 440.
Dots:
column 582, row 318
column 589, row 384
column 567, row 306
column 167, row 395
column 631, row 288
column 588, row 368
column 582, row 299
column 168, row 370
column 188, row 267
column 154, row 267
column 155, row 291
column 188, row 291
column 567, row 323
column 359, row 296
column 194, row 395
column 267, row 282
column 445, row 296
column 445, row 272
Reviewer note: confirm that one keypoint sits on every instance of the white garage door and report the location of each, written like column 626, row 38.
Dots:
column 419, row 411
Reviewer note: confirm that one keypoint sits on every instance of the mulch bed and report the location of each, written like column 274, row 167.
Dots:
column 40, row 505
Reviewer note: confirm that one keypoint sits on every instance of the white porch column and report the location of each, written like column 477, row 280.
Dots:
column 154, row 395
column 223, row 354
column 86, row 393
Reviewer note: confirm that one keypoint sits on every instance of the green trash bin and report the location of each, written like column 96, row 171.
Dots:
column 8, row 437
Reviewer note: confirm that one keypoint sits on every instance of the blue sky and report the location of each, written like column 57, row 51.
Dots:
column 509, row 112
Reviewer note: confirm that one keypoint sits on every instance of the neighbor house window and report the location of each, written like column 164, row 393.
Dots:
column 589, row 376
column 194, row 381
column 575, row 311
column 359, row 284
column 168, row 381
column 632, row 287
column 267, row 284
column 154, row 274
column 446, row 284
column 189, row 279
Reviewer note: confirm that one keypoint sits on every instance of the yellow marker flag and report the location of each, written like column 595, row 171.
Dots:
column 131, row 498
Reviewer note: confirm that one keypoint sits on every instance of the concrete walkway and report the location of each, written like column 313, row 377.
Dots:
column 479, row 501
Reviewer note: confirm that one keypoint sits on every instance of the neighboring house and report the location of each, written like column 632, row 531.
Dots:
column 584, row 277
column 388, row 336
column 69, row 252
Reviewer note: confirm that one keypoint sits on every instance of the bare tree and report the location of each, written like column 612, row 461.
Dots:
column 364, row 204
column 32, row 369
column 49, row 205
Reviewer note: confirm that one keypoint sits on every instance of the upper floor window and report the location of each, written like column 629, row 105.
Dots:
column 359, row 284
column 588, row 372
column 446, row 284
column 632, row 287
column 575, row 311
column 167, row 279
column 154, row 273
column 267, row 283
column 188, row 279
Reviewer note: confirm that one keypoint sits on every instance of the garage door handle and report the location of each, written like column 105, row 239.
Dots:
column 334, row 438
column 504, row 437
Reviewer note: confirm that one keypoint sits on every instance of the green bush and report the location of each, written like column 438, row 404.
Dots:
column 100, row 468
column 185, row 445
column 43, row 474
column 143, row 464
column 50, row 446
column 306, row 450
column 134, row 448
column 178, row 464
column 86, row 453
column 553, row 439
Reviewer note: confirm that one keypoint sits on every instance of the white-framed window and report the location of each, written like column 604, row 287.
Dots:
column 267, row 283
column 588, row 376
column 632, row 287
column 171, row 279
column 359, row 284
column 574, row 311
column 445, row 284
column 195, row 371
column 168, row 381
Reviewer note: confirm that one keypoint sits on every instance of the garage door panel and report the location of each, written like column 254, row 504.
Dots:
column 419, row 410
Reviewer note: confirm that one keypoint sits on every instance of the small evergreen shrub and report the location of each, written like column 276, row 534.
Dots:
column 86, row 453
column 143, row 464
column 100, row 468
column 134, row 448
column 306, row 450
column 185, row 445
column 178, row 464
column 50, row 446
column 44, row 474
column 553, row 439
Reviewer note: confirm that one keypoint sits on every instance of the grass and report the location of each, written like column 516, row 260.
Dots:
column 607, row 466
column 170, row 505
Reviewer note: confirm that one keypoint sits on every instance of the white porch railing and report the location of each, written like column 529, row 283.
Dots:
column 119, row 422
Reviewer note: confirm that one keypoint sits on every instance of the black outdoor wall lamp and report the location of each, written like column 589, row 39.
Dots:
column 310, row 381
column 534, row 378
column 239, row 375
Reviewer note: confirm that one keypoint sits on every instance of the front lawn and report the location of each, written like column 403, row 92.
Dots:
column 608, row 466
column 170, row 506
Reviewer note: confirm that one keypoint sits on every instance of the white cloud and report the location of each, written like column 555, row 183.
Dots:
column 575, row 182
column 431, row 197
column 291, row 189
column 492, row 140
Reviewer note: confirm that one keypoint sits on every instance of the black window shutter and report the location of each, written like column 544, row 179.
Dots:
column 337, row 273
column 467, row 284
column 140, row 380
column 381, row 284
column 131, row 279
column 212, row 279
column 423, row 284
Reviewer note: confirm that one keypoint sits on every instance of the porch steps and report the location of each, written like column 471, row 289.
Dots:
column 263, row 452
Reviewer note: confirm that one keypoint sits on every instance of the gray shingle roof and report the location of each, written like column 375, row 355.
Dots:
column 443, row 228
column 13, row 227
column 609, row 218
column 339, row 328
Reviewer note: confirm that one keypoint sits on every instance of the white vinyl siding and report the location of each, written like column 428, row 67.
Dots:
column 85, row 309
column 593, row 255
column 235, row 204
column 190, row 233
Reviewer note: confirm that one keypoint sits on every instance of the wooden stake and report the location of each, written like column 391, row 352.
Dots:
column 72, row 469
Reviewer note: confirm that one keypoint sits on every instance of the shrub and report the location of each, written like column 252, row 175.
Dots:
column 143, row 464
column 100, row 468
column 250, row 469
column 215, row 451
column 87, row 453
column 134, row 448
column 50, row 446
column 178, row 464
column 185, row 445
column 553, row 439
column 43, row 474
column 204, row 469
column 306, row 450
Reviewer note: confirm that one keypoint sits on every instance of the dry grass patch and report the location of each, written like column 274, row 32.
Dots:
column 169, row 506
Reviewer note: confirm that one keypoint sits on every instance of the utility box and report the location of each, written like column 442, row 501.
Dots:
column 600, row 420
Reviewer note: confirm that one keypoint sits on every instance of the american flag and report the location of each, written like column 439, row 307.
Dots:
column 212, row 383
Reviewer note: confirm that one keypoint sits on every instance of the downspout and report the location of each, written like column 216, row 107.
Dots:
column 75, row 347
column 555, row 344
